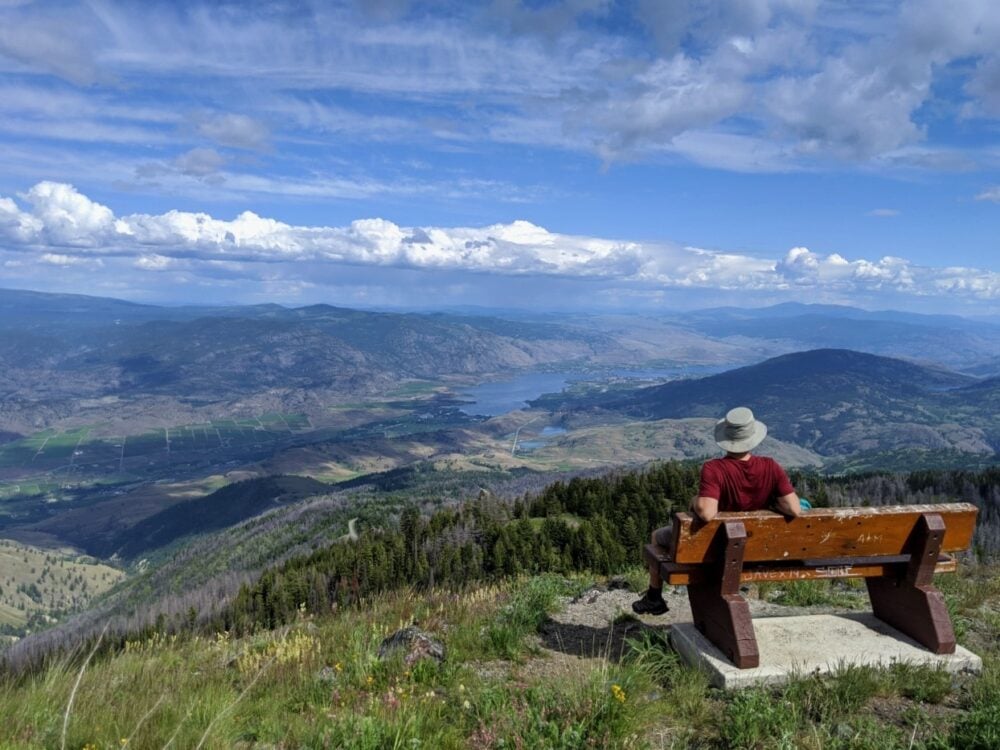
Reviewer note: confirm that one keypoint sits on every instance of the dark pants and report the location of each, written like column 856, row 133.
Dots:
column 664, row 537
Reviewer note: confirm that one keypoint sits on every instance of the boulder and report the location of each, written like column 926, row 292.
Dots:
column 415, row 643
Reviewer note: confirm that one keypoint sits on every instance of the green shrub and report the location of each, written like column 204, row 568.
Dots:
column 637, row 578
column 920, row 682
column 862, row 734
column 757, row 719
column 529, row 607
column 843, row 692
column 978, row 730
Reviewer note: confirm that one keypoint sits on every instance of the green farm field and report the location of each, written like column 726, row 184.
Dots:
column 89, row 450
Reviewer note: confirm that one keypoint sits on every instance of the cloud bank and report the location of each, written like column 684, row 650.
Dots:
column 746, row 85
column 53, row 224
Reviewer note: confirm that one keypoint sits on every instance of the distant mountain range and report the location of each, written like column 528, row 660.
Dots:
column 834, row 401
column 62, row 354
column 65, row 357
column 73, row 358
column 944, row 339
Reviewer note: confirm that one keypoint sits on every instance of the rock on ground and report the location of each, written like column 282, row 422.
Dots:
column 416, row 644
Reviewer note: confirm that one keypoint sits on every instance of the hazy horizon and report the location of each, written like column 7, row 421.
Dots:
column 492, row 310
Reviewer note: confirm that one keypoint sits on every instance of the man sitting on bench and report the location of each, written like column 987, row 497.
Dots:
column 740, row 481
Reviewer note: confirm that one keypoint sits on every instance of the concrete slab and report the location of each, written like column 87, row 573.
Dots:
column 796, row 646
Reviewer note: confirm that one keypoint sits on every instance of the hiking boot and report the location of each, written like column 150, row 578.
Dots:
column 651, row 603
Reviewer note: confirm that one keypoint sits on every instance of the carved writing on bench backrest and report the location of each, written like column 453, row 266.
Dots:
column 824, row 533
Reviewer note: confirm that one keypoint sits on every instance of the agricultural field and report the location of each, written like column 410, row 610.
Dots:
column 51, row 473
column 93, row 485
column 37, row 584
column 88, row 450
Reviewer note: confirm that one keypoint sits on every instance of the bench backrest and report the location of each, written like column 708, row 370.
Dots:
column 823, row 533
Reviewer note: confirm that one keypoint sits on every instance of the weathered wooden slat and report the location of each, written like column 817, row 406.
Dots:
column 823, row 532
column 764, row 574
column 683, row 574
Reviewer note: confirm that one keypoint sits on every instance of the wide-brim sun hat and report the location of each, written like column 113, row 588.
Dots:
column 738, row 431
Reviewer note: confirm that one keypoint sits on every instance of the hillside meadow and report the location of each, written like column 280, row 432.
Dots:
column 288, row 656
column 318, row 682
column 38, row 584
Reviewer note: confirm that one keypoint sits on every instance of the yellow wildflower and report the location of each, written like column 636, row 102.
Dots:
column 618, row 693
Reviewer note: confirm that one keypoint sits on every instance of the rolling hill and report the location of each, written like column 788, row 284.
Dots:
column 836, row 402
column 65, row 357
column 73, row 359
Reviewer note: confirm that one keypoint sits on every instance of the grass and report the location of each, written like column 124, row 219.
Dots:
column 833, row 711
column 812, row 593
column 42, row 582
column 528, row 608
column 320, row 683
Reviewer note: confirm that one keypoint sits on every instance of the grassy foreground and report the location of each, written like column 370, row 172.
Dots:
column 318, row 683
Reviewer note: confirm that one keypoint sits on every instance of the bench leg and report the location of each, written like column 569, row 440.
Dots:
column 719, row 611
column 910, row 602
column 725, row 621
column 917, row 611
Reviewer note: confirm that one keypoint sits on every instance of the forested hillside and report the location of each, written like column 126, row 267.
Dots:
column 596, row 524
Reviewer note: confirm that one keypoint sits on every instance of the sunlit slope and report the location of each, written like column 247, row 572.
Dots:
column 36, row 581
column 835, row 402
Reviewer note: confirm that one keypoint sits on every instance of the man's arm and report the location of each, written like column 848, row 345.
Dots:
column 706, row 508
column 789, row 505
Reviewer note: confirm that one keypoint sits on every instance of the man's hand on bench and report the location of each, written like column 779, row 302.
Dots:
column 789, row 505
column 707, row 508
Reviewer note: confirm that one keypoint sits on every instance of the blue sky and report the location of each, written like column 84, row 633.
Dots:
column 597, row 154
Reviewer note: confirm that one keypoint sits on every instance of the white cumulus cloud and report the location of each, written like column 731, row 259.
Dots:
column 64, row 227
column 65, row 217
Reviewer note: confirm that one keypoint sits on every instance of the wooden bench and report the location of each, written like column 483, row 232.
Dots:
column 897, row 550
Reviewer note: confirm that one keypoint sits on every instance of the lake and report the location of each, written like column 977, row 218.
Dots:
column 501, row 396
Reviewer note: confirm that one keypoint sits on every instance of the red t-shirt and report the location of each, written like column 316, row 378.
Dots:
column 743, row 485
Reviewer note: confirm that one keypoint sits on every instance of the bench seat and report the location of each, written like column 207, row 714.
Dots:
column 682, row 574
